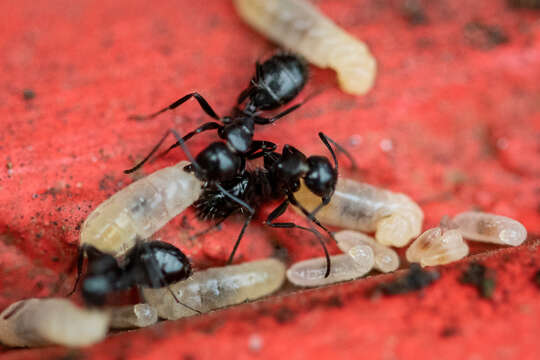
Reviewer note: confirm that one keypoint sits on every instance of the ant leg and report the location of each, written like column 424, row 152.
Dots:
column 202, row 102
column 80, row 260
column 217, row 225
column 252, row 85
column 203, row 127
column 244, row 227
column 277, row 212
column 309, row 215
column 265, row 121
column 325, row 139
column 92, row 253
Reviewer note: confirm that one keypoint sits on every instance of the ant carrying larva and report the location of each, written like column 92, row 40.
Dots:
column 299, row 26
column 137, row 212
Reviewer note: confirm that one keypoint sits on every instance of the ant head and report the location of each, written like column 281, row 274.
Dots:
column 217, row 163
column 239, row 134
column 103, row 272
column 321, row 177
column 163, row 263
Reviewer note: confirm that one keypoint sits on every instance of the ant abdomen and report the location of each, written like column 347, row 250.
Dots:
column 278, row 81
column 140, row 209
column 394, row 217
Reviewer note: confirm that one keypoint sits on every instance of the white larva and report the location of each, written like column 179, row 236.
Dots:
column 140, row 209
column 358, row 261
column 218, row 287
column 133, row 316
column 302, row 28
column 437, row 246
column 394, row 217
column 485, row 227
column 386, row 259
column 54, row 321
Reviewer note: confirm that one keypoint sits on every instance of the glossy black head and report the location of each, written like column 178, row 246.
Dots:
column 218, row 163
column 278, row 80
column 321, row 177
column 157, row 264
column 103, row 274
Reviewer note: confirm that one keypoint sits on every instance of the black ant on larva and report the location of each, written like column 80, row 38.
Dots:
column 153, row 264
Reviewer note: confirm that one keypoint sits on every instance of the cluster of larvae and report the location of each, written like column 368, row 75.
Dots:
column 396, row 220
column 146, row 205
column 299, row 26
column 444, row 244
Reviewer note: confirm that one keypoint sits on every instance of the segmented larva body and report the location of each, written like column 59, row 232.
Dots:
column 386, row 259
column 437, row 246
column 394, row 217
column 41, row 322
column 300, row 27
column 140, row 209
column 358, row 261
column 133, row 316
column 480, row 226
column 219, row 287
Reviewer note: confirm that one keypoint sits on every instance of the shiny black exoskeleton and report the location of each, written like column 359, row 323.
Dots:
column 279, row 179
column 277, row 81
column 151, row 264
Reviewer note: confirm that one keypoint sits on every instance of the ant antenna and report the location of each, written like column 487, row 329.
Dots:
column 156, row 147
column 325, row 139
column 181, row 303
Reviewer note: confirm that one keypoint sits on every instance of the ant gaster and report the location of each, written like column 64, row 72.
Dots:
column 153, row 264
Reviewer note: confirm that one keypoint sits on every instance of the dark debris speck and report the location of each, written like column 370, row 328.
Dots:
column 536, row 278
column 481, row 277
column 415, row 279
column 28, row 94
column 483, row 36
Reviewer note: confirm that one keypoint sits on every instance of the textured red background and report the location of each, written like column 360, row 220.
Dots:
column 453, row 121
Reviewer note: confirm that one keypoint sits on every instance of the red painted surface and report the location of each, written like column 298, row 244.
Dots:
column 462, row 116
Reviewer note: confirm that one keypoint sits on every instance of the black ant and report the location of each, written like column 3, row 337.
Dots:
column 277, row 81
column 153, row 264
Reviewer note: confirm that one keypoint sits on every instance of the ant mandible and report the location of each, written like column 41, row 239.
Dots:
column 277, row 81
